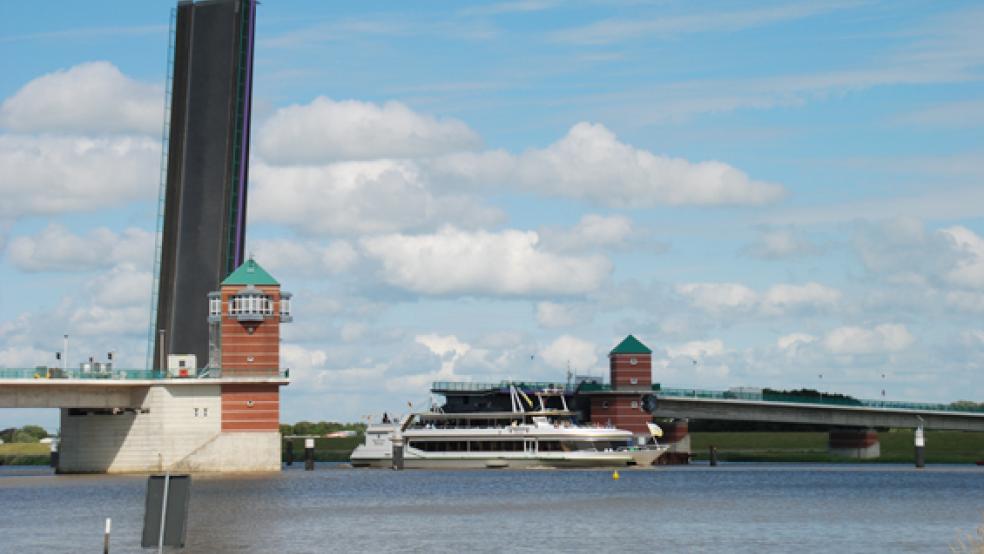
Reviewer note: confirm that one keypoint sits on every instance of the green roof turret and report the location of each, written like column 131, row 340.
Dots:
column 250, row 273
column 631, row 345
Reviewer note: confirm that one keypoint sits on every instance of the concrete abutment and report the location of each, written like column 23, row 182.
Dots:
column 861, row 444
column 174, row 428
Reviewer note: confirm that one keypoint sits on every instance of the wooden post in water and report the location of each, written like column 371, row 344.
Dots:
column 713, row 456
column 54, row 454
column 106, row 536
column 290, row 452
column 308, row 454
column 920, row 440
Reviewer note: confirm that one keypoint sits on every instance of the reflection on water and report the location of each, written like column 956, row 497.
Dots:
column 731, row 508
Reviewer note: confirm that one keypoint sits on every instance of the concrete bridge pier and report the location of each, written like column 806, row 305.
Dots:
column 676, row 435
column 860, row 443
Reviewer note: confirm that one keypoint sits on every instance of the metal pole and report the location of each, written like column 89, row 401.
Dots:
column 160, row 535
column 106, row 536
column 65, row 356
column 161, row 343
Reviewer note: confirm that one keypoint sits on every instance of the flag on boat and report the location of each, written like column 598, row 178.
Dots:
column 526, row 398
column 654, row 430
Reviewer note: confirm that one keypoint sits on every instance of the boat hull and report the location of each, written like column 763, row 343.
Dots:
column 587, row 460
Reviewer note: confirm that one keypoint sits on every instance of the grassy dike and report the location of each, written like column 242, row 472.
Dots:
column 25, row 454
column 942, row 447
column 325, row 450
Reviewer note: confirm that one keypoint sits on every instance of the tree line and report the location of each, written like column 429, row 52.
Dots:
column 320, row 428
column 27, row 433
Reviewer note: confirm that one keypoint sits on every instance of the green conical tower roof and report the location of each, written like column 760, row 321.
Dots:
column 631, row 345
column 250, row 273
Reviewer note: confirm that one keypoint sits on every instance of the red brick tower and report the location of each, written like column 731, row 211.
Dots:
column 245, row 316
column 631, row 369
column 631, row 365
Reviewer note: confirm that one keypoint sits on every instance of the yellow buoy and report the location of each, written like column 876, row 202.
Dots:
column 615, row 475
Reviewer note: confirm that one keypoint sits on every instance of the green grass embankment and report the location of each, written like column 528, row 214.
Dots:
column 25, row 454
column 942, row 447
column 325, row 450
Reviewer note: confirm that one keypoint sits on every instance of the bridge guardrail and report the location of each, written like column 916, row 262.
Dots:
column 824, row 400
column 50, row 373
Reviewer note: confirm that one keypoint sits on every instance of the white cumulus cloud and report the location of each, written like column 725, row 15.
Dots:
column 969, row 269
column 784, row 298
column 510, row 262
column 46, row 175
column 697, row 349
column 888, row 337
column 592, row 231
column 357, row 197
column 781, row 243
column 793, row 340
column 780, row 299
column 305, row 257
column 93, row 97
column 590, row 163
column 327, row 130
column 552, row 315
column 56, row 248
column 567, row 351
column 719, row 297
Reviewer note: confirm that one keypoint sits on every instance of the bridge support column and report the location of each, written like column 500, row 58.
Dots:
column 854, row 443
column 676, row 435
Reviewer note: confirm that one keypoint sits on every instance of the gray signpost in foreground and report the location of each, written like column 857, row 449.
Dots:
column 166, row 511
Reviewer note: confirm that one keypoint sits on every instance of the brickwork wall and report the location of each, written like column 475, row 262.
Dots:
column 618, row 411
column 623, row 371
column 247, row 407
column 250, row 347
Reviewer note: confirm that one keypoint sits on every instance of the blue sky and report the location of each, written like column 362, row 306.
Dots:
column 776, row 191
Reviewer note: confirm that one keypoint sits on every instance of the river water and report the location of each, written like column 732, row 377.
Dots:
column 730, row 508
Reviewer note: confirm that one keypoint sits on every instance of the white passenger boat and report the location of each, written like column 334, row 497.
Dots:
column 517, row 439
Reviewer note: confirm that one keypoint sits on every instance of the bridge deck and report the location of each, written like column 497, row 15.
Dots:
column 822, row 414
column 115, row 389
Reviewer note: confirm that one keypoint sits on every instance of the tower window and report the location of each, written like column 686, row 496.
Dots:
column 285, row 314
column 250, row 304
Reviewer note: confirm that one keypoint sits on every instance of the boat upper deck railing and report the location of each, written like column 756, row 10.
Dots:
column 469, row 386
column 51, row 373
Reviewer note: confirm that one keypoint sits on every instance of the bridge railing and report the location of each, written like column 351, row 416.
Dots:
column 818, row 399
column 133, row 374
